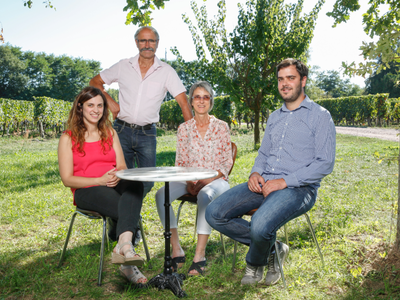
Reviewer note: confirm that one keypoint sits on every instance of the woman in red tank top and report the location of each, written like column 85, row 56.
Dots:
column 89, row 155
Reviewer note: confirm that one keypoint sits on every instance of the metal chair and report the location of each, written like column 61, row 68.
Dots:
column 250, row 213
column 193, row 199
column 95, row 215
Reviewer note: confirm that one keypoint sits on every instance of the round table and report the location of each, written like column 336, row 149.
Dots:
column 167, row 279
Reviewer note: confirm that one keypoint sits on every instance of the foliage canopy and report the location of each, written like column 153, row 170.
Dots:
column 386, row 81
column 384, row 26
column 138, row 11
column 24, row 75
column 333, row 85
column 242, row 63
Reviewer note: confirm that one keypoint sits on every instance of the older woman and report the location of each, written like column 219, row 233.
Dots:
column 202, row 142
column 89, row 155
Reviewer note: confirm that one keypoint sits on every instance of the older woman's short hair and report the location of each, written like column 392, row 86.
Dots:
column 148, row 27
column 205, row 85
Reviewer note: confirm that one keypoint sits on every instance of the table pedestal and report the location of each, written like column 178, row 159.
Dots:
column 168, row 279
column 172, row 282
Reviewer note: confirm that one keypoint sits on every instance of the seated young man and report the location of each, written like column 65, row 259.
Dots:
column 297, row 151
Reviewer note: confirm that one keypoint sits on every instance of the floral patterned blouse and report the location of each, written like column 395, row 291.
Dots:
column 213, row 152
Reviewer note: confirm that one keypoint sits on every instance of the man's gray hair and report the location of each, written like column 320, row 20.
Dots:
column 148, row 27
column 205, row 85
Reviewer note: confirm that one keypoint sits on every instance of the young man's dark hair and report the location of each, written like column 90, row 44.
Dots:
column 300, row 67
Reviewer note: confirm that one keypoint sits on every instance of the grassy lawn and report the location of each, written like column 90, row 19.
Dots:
column 353, row 219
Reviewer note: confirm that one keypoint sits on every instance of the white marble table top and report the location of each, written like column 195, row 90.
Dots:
column 166, row 174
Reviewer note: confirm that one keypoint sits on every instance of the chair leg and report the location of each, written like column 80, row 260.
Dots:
column 286, row 235
column 280, row 265
column 315, row 238
column 195, row 225
column 103, row 239
column 223, row 244
column 179, row 212
column 234, row 256
column 146, row 249
column 67, row 239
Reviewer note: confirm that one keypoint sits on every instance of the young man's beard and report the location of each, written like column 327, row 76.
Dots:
column 296, row 94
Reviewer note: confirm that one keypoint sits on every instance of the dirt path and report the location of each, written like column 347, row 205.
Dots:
column 379, row 133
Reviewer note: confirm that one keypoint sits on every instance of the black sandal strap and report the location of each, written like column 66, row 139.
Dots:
column 197, row 266
column 177, row 260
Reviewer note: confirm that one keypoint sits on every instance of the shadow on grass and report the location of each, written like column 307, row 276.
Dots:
column 380, row 273
column 166, row 158
column 34, row 175
column 164, row 131
column 77, row 277
column 30, row 274
column 26, row 275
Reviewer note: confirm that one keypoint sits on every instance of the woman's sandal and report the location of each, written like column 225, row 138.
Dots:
column 132, row 275
column 177, row 262
column 132, row 259
column 197, row 266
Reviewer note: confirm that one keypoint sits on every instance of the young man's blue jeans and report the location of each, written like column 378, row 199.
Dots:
column 279, row 207
column 139, row 147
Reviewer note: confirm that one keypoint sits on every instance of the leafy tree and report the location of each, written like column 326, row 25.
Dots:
column 70, row 75
column 24, row 75
column 12, row 77
column 313, row 91
column 386, row 27
column 329, row 84
column 334, row 86
column 242, row 64
column 114, row 93
column 39, row 73
column 187, row 78
column 387, row 81
column 29, row 3
column 139, row 11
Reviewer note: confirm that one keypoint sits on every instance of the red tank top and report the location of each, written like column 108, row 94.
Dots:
column 95, row 162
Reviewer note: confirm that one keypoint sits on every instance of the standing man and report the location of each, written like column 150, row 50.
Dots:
column 143, row 83
column 297, row 151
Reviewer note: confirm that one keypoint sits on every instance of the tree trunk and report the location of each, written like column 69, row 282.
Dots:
column 256, row 127
column 41, row 129
column 397, row 241
column 262, row 122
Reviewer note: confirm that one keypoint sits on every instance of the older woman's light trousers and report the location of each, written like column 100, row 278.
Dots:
column 207, row 194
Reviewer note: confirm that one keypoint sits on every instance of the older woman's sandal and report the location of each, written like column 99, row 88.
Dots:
column 177, row 262
column 132, row 275
column 197, row 266
column 130, row 257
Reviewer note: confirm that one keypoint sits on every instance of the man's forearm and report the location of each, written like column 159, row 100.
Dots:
column 98, row 82
column 184, row 105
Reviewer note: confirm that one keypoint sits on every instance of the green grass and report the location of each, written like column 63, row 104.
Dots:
column 353, row 214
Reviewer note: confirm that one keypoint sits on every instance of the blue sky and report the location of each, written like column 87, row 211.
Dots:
column 95, row 29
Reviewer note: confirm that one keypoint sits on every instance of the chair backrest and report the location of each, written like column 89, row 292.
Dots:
column 234, row 152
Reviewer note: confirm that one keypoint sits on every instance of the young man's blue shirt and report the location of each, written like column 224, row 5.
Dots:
column 298, row 145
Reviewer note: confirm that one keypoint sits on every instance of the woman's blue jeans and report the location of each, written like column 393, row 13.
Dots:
column 224, row 214
column 139, row 147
